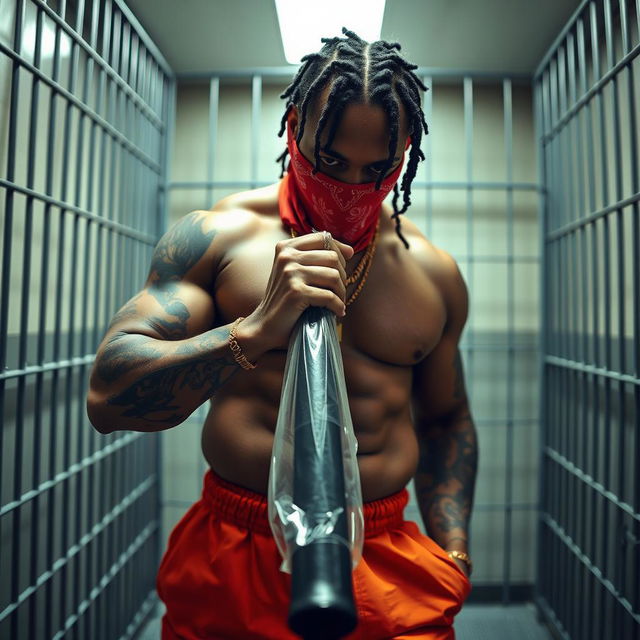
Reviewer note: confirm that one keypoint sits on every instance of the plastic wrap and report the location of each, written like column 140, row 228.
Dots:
column 314, row 482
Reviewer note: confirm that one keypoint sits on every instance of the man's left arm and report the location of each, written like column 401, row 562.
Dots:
column 445, row 479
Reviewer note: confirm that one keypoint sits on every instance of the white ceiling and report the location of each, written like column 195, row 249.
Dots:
column 472, row 35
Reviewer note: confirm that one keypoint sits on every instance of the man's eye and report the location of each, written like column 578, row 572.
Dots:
column 376, row 169
column 330, row 162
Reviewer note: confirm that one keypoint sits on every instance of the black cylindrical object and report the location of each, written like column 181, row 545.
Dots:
column 322, row 604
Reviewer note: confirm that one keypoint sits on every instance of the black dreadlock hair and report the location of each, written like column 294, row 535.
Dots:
column 357, row 71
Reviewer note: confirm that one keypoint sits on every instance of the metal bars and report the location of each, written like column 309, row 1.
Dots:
column 589, row 533
column 83, row 160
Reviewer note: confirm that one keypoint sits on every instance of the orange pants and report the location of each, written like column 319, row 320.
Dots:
column 220, row 577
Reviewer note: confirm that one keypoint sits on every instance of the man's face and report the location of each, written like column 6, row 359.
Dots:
column 360, row 147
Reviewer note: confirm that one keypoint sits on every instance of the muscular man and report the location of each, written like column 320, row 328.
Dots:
column 353, row 114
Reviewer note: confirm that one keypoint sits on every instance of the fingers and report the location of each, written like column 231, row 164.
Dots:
column 323, row 298
column 317, row 241
column 323, row 259
column 326, row 278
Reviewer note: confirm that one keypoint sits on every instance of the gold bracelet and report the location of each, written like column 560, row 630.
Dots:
column 238, row 356
column 461, row 555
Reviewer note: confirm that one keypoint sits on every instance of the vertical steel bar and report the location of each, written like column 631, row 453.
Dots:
column 555, row 311
column 540, row 124
column 577, row 301
column 53, row 432
column 214, row 97
column 23, row 354
column 256, row 107
column 508, row 150
column 605, row 542
column 468, row 135
column 596, row 595
column 585, row 133
column 4, row 294
column 90, row 232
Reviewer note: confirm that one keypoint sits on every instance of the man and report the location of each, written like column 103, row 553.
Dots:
column 213, row 322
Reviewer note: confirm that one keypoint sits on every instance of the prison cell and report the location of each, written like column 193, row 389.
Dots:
column 90, row 108
column 86, row 102
column 587, row 114
column 471, row 197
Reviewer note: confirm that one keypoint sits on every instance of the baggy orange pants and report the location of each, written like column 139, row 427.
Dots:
column 220, row 576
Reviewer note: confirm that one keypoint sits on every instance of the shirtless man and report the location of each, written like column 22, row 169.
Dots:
column 168, row 350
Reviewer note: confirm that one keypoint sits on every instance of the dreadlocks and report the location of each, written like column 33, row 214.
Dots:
column 357, row 71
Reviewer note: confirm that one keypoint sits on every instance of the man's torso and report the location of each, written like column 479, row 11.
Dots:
column 395, row 322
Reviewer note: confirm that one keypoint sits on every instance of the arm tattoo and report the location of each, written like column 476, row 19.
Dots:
column 154, row 396
column 123, row 353
column 178, row 251
column 445, row 480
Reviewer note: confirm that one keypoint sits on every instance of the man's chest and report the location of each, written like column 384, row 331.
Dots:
column 397, row 318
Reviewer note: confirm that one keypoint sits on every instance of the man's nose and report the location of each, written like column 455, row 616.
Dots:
column 355, row 175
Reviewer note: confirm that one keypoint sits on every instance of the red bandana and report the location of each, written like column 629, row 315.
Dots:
column 311, row 201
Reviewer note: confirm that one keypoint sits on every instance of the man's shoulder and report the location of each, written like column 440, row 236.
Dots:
column 437, row 262
column 242, row 215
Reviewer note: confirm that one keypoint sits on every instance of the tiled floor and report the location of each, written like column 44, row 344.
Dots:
column 474, row 622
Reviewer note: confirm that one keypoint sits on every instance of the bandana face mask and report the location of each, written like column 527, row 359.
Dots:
column 314, row 201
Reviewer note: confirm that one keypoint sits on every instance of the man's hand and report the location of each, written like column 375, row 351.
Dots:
column 303, row 274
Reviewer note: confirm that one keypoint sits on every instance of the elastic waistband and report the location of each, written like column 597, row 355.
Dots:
column 248, row 509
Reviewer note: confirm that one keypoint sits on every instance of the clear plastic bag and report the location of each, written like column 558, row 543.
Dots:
column 314, row 482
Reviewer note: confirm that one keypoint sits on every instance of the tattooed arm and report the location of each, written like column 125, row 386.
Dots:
column 445, row 479
column 160, row 358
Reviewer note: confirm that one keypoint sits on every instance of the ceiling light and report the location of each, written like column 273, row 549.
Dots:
column 304, row 22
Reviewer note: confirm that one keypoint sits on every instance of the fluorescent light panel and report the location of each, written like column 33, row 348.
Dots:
column 304, row 22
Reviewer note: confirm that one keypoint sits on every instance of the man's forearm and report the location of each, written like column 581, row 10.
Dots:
column 145, row 384
column 445, row 480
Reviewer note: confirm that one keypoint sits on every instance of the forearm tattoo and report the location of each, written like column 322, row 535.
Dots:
column 445, row 480
column 154, row 396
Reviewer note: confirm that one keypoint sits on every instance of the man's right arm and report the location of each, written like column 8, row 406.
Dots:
column 160, row 359
column 163, row 355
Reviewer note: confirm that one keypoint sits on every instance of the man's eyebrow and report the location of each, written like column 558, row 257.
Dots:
column 339, row 156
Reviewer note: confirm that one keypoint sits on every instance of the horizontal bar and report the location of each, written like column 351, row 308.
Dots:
column 240, row 184
column 153, row 117
column 585, row 478
column 597, row 87
column 584, row 559
column 83, row 213
column 88, row 111
column 291, row 70
column 75, row 549
column 563, row 363
column 592, row 217
column 47, row 485
column 49, row 366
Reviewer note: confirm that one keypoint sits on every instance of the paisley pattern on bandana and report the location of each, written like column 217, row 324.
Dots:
column 311, row 201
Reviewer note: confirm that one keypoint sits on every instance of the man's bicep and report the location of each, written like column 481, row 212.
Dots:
column 176, row 301
column 175, row 312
